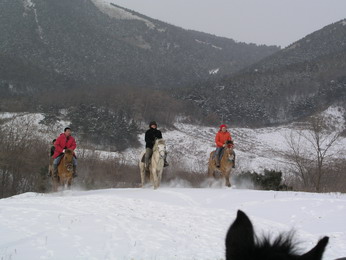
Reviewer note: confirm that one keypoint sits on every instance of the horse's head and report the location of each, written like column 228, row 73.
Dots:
column 229, row 153
column 68, row 160
column 241, row 243
column 229, row 143
column 160, row 146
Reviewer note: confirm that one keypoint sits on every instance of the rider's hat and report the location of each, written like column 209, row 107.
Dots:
column 152, row 123
column 223, row 126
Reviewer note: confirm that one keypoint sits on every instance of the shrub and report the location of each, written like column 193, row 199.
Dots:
column 269, row 180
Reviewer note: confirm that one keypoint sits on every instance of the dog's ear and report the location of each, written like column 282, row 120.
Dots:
column 317, row 252
column 240, row 240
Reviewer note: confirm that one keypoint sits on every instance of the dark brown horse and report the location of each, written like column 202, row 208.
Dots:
column 226, row 164
column 242, row 244
column 65, row 171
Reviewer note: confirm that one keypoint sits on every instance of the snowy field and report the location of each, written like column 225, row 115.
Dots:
column 160, row 224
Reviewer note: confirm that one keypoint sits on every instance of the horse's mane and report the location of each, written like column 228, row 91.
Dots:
column 68, row 151
column 160, row 141
column 284, row 244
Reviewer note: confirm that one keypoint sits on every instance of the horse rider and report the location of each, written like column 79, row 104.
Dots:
column 64, row 141
column 52, row 148
column 222, row 136
column 51, row 159
column 150, row 136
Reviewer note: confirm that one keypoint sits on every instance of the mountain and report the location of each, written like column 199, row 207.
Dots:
column 304, row 78
column 48, row 44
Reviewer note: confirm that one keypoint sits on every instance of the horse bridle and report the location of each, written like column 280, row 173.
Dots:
column 230, row 154
column 162, row 156
column 69, row 166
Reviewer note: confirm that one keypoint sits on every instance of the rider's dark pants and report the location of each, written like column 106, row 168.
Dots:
column 148, row 154
column 218, row 153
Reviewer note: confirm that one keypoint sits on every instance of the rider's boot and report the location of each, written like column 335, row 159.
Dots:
column 74, row 171
column 55, row 171
column 233, row 166
column 165, row 164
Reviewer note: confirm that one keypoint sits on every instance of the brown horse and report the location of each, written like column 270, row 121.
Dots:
column 226, row 164
column 65, row 171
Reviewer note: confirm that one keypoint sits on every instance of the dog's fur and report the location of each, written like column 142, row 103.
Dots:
column 242, row 244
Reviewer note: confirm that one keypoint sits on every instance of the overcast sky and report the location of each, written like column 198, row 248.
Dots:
column 271, row 22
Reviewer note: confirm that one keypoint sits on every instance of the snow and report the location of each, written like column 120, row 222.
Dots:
column 207, row 43
column 29, row 5
column 214, row 71
column 335, row 116
column 168, row 223
column 293, row 46
column 216, row 47
column 119, row 13
column 343, row 23
column 175, row 221
column 24, row 120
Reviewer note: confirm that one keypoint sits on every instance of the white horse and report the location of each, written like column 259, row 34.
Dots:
column 155, row 165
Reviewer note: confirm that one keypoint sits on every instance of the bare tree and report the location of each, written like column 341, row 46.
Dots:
column 23, row 157
column 311, row 154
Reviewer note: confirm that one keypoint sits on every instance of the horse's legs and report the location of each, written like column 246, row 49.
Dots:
column 154, row 176
column 69, row 183
column 55, row 184
column 159, row 177
column 142, row 172
column 210, row 171
column 228, row 183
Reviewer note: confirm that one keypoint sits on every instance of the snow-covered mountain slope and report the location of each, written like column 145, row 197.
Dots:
column 257, row 149
column 160, row 224
column 189, row 145
column 119, row 13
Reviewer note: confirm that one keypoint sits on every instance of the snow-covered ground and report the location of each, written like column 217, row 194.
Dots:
column 160, row 224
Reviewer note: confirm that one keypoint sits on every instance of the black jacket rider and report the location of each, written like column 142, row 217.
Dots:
column 150, row 136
